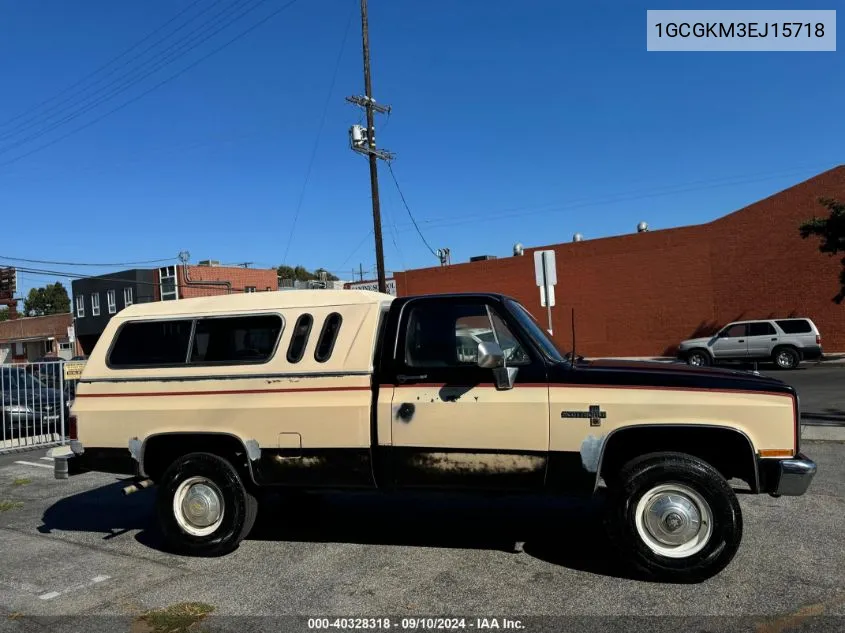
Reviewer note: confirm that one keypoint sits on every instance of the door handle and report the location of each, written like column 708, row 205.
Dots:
column 774, row 339
column 403, row 378
column 742, row 340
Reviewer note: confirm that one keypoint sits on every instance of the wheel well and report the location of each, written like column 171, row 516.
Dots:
column 162, row 450
column 785, row 346
column 704, row 350
column 728, row 451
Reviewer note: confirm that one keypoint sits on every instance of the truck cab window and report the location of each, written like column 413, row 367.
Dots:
column 448, row 335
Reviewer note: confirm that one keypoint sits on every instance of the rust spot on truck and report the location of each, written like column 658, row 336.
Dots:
column 477, row 463
column 591, row 452
column 299, row 462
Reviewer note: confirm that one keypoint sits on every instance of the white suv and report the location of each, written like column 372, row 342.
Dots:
column 784, row 342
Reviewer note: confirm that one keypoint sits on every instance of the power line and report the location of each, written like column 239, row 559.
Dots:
column 612, row 199
column 67, row 275
column 52, row 263
column 154, row 87
column 401, row 195
column 319, row 133
column 103, row 67
column 186, row 47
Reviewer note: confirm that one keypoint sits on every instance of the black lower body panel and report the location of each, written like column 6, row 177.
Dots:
column 315, row 468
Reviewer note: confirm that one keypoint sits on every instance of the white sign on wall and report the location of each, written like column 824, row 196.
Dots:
column 546, row 277
column 373, row 285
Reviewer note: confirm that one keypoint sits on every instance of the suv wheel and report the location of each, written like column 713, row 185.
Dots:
column 203, row 507
column 786, row 358
column 698, row 358
column 674, row 517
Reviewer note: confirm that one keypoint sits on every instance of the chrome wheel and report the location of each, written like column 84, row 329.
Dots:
column 198, row 506
column 673, row 520
column 785, row 359
column 697, row 359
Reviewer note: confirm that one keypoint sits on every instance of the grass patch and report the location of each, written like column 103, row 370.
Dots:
column 10, row 505
column 177, row 618
column 21, row 481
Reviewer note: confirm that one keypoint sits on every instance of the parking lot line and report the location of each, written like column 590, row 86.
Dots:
column 54, row 594
column 35, row 464
column 49, row 459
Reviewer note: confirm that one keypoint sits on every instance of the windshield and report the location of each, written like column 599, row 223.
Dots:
column 537, row 333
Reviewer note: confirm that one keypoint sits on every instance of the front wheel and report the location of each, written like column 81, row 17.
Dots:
column 203, row 507
column 698, row 358
column 674, row 517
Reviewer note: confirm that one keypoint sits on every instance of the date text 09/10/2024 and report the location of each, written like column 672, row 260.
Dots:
column 412, row 623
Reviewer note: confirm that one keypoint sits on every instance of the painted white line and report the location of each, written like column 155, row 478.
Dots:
column 35, row 464
column 49, row 459
column 55, row 594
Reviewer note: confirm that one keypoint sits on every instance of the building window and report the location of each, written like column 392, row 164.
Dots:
column 80, row 306
column 167, row 279
column 229, row 340
column 328, row 337
column 95, row 304
column 64, row 347
column 146, row 343
column 249, row 289
column 112, row 301
column 299, row 339
column 127, row 297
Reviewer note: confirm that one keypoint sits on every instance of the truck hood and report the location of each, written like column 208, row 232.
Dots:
column 646, row 374
column 703, row 341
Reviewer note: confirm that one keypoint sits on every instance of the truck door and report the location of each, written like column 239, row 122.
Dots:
column 451, row 426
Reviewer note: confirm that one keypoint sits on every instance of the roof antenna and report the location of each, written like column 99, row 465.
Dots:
column 574, row 357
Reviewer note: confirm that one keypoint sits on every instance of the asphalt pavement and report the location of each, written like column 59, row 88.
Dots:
column 78, row 555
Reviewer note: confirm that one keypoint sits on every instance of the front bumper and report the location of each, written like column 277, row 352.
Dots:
column 790, row 477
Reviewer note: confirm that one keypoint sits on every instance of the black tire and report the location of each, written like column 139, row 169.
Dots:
column 699, row 358
column 240, row 507
column 786, row 358
column 644, row 474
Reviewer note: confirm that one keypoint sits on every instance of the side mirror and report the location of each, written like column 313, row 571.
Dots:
column 490, row 355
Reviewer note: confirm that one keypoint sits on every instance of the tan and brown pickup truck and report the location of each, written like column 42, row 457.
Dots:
column 216, row 399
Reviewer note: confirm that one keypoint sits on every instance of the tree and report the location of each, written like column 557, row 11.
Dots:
column 51, row 299
column 4, row 314
column 300, row 273
column 831, row 230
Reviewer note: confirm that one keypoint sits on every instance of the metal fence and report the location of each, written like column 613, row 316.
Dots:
column 35, row 401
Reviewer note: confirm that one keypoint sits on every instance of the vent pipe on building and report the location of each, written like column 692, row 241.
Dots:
column 642, row 227
column 577, row 237
column 518, row 250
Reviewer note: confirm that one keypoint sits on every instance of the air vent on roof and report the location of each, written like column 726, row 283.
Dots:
column 577, row 237
column 210, row 262
column 481, row 258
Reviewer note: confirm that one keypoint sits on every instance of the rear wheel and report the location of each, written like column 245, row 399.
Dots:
column 203, row 506
column 698, row 358
column 786, row 358
column 674, row 517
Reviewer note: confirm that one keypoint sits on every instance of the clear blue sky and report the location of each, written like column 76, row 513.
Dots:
column 511, row 122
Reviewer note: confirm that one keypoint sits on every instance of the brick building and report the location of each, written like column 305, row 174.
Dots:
column 28, row 338
column 96, row 299
column 642, row 293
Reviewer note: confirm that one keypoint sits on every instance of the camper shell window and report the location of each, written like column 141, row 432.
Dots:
column 227, row 340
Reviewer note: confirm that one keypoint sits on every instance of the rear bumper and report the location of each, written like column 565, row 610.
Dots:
column 812, row 352
column 789, row 477
column 78, row 459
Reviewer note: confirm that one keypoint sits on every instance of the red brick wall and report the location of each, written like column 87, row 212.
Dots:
column 640, row 294
column 240, row 278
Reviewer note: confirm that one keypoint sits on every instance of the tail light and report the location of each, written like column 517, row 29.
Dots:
column 818, row 339
column 71, row 428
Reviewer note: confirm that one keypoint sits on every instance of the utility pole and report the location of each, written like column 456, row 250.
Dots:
column 364, row 141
